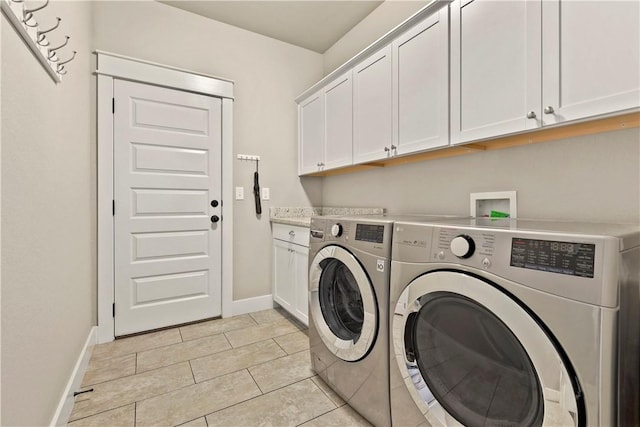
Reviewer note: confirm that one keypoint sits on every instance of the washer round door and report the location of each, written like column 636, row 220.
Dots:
column 342, row 303
column 472, row 356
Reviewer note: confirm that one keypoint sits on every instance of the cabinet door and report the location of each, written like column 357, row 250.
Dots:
column 284, row 291
column 591, row 58
column 301, row 280
column 338, row 111
column 311, row 134
column 372, row 107
column 495, row 68
column 421, row 85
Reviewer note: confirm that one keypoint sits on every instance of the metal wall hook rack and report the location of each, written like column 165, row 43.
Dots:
column 51, row 52
column 24, row 21
column 27, row 14
column 41, row 38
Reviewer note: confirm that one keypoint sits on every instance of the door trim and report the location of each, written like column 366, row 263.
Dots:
column 117, row 66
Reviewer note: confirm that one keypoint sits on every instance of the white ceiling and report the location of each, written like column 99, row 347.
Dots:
column 312, row 24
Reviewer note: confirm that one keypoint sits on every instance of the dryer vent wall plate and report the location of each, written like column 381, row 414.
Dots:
column 498, row 204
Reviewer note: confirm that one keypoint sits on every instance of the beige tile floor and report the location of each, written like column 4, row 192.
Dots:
column 248, row 370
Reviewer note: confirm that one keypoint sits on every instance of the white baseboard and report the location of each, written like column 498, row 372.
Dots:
column 61, row 417
column 251, row 305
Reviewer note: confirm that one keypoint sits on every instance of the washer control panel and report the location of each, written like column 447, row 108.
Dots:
column 462, row 246
column 372, row 236
column 454, row 244
column 559, row 259
column 336, row 230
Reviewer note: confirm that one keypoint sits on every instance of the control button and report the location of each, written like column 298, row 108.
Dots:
column 486, row 263
column 336, row 230
column 462, row 246
column 441, row 255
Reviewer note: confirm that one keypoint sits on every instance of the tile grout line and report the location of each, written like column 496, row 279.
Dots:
column 287, row 385
column 281, row 348
column 228, row 342
column 262, row 393
column 344, row 402
column 98, row 413
column 182, row 361
column 192, row 374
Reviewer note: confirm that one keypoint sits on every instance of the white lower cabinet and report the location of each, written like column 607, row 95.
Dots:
column 290, row 268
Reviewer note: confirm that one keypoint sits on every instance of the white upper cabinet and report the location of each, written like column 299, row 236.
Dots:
column 421, row 85
column 311, row 134
column 338, row 129
column 591, row 60
column 372, row 107
column 495, row 68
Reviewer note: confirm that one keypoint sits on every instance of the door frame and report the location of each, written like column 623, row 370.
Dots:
column 112, row 66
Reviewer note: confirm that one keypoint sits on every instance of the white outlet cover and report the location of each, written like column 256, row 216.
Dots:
column 239, row 193
column 265, row 193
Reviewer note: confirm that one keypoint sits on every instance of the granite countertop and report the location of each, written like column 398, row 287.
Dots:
column 302, row 216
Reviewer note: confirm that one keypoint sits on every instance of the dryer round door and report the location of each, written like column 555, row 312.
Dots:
column 342, row 303
column 472, row 355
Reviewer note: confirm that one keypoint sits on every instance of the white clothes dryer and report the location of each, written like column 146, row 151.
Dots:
column 514, row 323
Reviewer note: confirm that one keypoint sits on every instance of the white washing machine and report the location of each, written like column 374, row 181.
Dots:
column 348, row 304
column 514, row 323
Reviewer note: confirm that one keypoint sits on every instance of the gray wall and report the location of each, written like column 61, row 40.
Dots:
column 48, row 219
column 268, row 75
column 593, row 178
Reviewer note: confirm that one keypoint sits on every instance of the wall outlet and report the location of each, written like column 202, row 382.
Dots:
column 239, row 193
column 265, row 194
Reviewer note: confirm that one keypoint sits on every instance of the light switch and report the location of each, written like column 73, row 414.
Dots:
column 265, row 193
column 239, row 193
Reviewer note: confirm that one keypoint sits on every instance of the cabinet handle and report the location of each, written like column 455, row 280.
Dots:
column 292, row 233
column 531, row 115
column 387, row 149
column 393, row 147
column 549, row 110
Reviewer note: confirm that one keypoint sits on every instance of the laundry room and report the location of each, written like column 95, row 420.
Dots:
column 179, row 180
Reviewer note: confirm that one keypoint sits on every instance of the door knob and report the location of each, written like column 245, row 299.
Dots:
column 215, row 218
column 531, row 115
column 214, row 203
column 549, row 110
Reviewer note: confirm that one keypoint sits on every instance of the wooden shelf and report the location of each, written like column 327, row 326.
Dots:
column 592, row 127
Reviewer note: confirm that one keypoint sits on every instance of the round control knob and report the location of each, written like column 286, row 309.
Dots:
column 336, row 230
column 462, row 246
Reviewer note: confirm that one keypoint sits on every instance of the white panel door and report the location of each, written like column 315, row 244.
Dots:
column 591, row 58
column 496, row 84
column 167, row 153
column 421, row 85
column 372, row 105
column 311, row 137
column 338, row 113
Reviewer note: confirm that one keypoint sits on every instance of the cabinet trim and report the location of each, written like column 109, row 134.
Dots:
column 583, row 128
